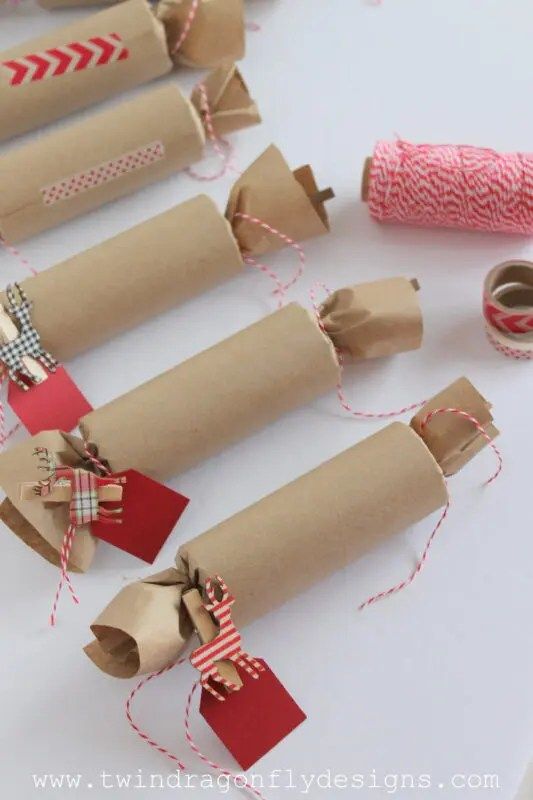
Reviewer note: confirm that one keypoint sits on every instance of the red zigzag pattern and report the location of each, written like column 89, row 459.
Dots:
column 74, row 57
column 511, row 322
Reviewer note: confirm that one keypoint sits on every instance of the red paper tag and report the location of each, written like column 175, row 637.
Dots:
column 254, row 719
column 150, row 512
column 55, row 403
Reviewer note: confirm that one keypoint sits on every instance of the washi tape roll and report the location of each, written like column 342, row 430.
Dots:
column 508, row 309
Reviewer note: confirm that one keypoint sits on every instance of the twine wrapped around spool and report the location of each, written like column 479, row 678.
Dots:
column 508, row 308
column 451, row 186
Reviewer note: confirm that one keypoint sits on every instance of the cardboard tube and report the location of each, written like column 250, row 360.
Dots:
column 157, row 265
column 34, row 103
column 53, row 4
column 124, row 281
column 276, row 548
column 217, row 397
column 79, row 168
column 208, row 402
column 216, row 35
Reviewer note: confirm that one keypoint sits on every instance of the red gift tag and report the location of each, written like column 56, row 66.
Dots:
column 55, row 403
column 149, row 514
column 254, row 719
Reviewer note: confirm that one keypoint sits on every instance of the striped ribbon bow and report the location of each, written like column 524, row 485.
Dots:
column 84, row 508
column 226, row 646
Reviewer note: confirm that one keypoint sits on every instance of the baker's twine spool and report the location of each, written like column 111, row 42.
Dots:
column 452, row 186
column 508, row 309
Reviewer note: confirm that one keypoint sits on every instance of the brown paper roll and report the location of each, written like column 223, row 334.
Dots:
column 217, row 397
column 108, row 155
column 278, row 547
column 161, row 120
column 38, row 102
column 216, row 35
column 288, row 201
column 142, row 272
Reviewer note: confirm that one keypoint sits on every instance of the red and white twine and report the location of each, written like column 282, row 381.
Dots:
column 187, row 26
column 281, row 287
column 424, row 557
column 68, row 541
column 454, row 186
column 221, row 146
column 239, row 780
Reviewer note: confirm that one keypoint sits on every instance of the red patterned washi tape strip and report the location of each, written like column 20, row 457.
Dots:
column 74, row 57
column 505, row 321
column 103, row 173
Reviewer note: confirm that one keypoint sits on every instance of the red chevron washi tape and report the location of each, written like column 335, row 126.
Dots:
column 103, row 173
column 508, row 297
column 74, row 57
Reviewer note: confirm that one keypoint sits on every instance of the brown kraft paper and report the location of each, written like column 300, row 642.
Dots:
column 35, row 103
column 288, row 201
column 225, row 393
column 81, row 167
column 286, row 542
column 217, row 33
column 212, row 400
column 144, row 271
column 42, row 526
column 53, row 4
column 138, row 274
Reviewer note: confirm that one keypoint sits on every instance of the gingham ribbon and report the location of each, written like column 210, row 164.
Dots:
column 84, row 508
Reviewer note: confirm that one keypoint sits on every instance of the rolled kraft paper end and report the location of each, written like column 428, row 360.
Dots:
column 453, row 440
column 231, row 107
column 106, row 156
column 286, row 542
column 138, row 55
column 86, row 300
column 217, row 33
column 217, row 397
column 129, row 644
column 42, row 526
column 287, row 201
column 374, row 319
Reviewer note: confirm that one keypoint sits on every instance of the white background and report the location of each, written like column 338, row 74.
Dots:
column 438, row 679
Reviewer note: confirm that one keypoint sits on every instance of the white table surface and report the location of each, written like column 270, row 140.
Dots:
column 437, row 681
